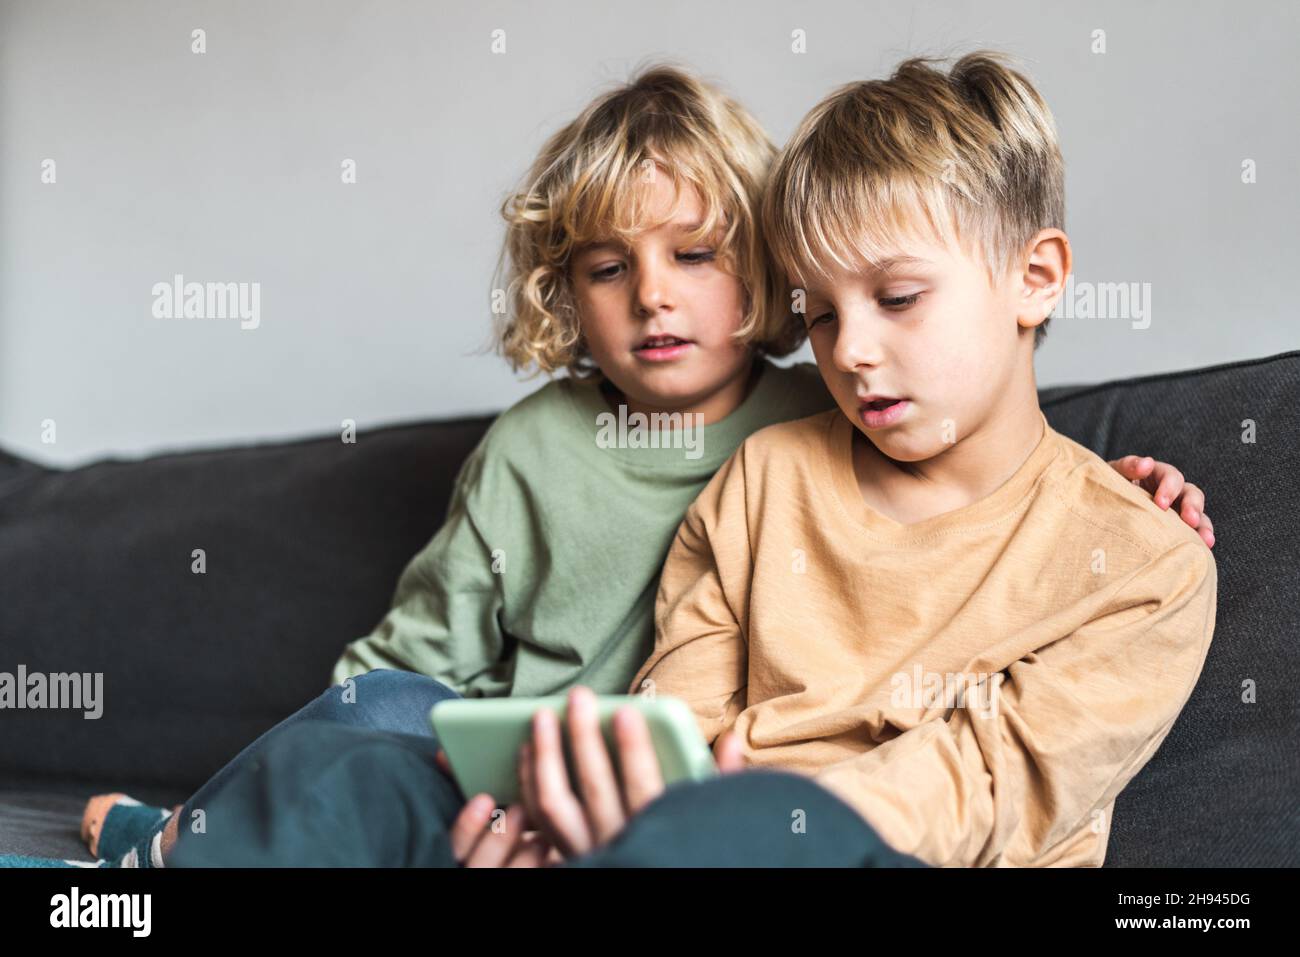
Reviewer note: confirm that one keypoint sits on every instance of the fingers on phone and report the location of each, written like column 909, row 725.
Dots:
column 469, row 825
column 642, row 777
column 597, row 781
column 497, row 843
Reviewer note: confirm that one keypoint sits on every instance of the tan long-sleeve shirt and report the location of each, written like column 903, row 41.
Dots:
column 980, row 685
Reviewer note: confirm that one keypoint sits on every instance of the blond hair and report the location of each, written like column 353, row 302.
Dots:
column 969, row 155
column 584, row 187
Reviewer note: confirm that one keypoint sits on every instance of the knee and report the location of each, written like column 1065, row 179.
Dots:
column 324, row 745
column 387, row 699
column 394, row 679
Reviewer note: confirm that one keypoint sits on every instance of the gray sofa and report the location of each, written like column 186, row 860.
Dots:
column 304, row 542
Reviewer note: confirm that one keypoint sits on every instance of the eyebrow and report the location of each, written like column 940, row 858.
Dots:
column 611, row 244
column 892, row 261
column 884, row 266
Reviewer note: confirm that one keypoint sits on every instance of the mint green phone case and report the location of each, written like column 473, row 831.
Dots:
column 482, row 737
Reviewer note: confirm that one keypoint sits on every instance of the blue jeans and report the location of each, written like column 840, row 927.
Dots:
column 355, row 790
column 385, row 700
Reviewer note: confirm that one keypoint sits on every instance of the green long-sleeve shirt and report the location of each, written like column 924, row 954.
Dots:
column 545, row 571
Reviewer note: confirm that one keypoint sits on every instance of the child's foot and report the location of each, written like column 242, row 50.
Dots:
column 92, row 818
column 113, row 824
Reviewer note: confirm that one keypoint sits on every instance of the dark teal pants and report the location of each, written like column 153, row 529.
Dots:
column 322, row 793
column 354, row 783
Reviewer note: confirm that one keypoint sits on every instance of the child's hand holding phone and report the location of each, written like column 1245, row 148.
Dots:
column 556, row 819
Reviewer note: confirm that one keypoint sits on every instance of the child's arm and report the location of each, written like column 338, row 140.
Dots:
column 1071, row 725
column 444, row 618
column 700, row 654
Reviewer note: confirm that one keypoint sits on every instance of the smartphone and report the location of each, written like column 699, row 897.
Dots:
column 482, row 737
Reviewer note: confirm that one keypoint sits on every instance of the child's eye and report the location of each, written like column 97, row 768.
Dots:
column 900, row 302
column 699, row 256
column 606, row 274
column 824, row 317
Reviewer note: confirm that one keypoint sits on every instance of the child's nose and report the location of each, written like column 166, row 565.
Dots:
column 652, row 290
column 855, row 346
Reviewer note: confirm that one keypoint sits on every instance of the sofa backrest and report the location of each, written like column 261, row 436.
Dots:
column 303, row 544
column 1224, row 788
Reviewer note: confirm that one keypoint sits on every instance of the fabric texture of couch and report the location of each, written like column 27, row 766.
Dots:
column 304, row 542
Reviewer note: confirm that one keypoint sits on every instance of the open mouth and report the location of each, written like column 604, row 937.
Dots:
column 876, row 405
column 661, row 341
column 661, row 348
column 880, row 411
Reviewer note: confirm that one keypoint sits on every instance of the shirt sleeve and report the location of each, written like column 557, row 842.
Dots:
column 445, row 617
column 700, row 653
column 1070, row 725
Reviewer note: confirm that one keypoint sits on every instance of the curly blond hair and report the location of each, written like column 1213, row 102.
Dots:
column 585, row 186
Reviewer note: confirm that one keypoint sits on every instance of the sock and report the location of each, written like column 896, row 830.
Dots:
column 125, row 824
column 147, row 850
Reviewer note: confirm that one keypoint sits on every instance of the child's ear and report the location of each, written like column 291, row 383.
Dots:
column 1047, row 262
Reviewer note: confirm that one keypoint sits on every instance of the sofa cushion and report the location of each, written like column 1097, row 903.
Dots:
column 42, row 824
column 45, row 821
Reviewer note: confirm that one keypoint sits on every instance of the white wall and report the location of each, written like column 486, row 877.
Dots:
column 226, row 167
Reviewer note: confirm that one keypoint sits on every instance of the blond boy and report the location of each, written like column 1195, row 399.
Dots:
column 961, row 622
